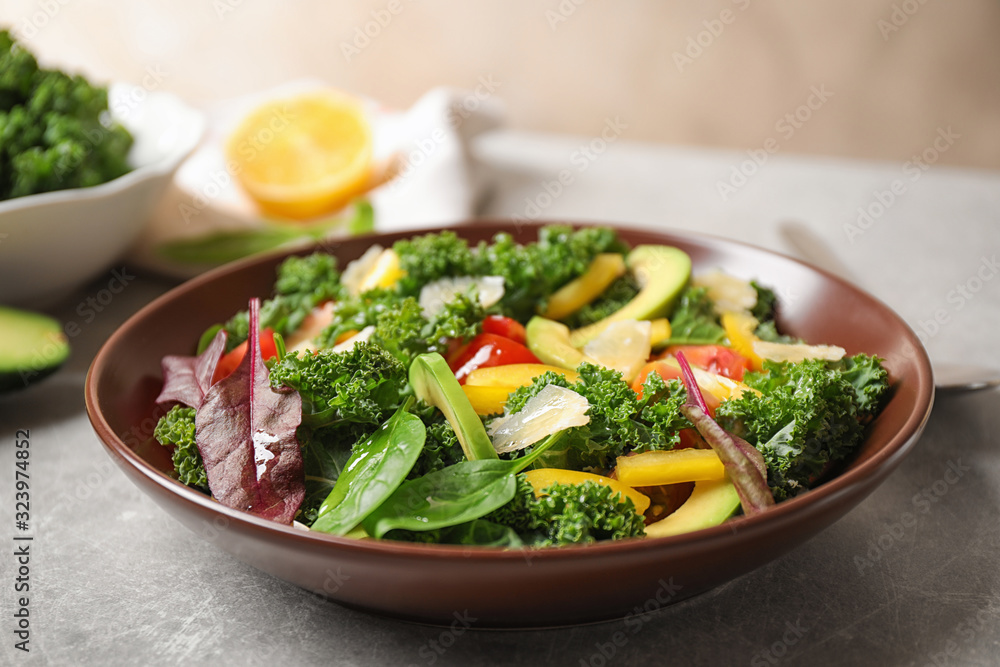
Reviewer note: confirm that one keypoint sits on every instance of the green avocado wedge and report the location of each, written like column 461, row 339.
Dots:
column 434, row 383
column 662, row 271
column 32, row 346
column 711, row 503
column 549, row 341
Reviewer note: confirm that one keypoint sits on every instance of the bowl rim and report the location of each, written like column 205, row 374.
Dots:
column 882, row 462
column 164, row 166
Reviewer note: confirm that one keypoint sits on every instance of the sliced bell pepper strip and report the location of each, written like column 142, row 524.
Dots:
column 670, row 467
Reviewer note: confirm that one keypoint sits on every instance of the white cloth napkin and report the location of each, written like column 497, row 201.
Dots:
column 437, row 183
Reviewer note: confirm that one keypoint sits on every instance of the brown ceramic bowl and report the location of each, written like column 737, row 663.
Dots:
column 512, row 588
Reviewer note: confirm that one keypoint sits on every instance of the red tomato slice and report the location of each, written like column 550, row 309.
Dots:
column 506, row 327
column 486, row 350
column 229, row 361
column 714, row 359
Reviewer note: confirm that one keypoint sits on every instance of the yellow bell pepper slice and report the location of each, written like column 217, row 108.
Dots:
column 739, row 329
column 659, row 334
column 670, row 467
column 514, row 375
column 385, row 272
column 542, row 478
column 574, row 295
column 487, row 400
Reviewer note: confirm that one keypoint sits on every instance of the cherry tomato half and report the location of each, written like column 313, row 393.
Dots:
column 487, row 350
column 506, row 327
column 714, row 359
column 229, row 361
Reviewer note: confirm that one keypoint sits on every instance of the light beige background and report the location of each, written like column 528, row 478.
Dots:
column 892, row 72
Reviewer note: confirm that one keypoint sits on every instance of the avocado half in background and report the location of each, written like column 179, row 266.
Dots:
column 32, row 346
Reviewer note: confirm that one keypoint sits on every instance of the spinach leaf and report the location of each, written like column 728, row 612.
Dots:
column 459, row 493
column 453, row 495
column 376, row 468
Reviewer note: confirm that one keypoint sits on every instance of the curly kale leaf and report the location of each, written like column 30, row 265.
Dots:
column 532, row 272
column 431, row 257
column 620, row 422
column 617, row 296
column 361, row 385
column 766, row 310
column 766, row 307
column 406, row 333
column 55, row 129
column 400, row 326
column 809, row 414
column 694, row 321
column 568, row 514
column 441, row 446
column 356, row 313
column 177, row 429
column 302, row 284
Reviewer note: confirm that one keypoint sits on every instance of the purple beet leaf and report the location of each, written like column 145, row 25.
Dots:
column 246, row 436
column 187, row 379
column 744, row 464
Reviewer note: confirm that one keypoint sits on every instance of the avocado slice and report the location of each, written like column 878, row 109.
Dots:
column 33, row 346
column 711, row 503
column 662, row 272
column 550, row 342
column 434, row 383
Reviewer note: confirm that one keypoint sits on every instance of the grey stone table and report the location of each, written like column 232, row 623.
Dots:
column 910, row 577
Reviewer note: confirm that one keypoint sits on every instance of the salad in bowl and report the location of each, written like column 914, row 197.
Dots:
column 564, row 391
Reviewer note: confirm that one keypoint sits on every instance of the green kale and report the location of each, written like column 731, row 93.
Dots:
column 400, row 326
column 361, row 385
column 618, row 294
column 406, row 333
column 620, row 422
column 177, row 429
column 532, row 272
column 55, row 131
column 356, row 313
column 766, row 307
column 765, row 310
column 810, row 414
column 302, row 284
column 568, row 514
column 441, row 447
column 431, row 257
column 694, row 321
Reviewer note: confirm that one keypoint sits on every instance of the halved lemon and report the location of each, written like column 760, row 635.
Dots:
column 303, row 156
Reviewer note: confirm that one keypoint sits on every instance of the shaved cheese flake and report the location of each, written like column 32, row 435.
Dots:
column 553, row 409
column 356, row 271
column 795, row 352
column 623, row 346
column 728, row 293
column 359, row 337
column 435, row 295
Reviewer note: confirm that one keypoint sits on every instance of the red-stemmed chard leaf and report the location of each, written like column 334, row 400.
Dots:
column 187, row 379
column 744, row 464
column 246, row 436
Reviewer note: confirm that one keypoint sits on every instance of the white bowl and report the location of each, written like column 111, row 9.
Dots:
column 52, row 242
